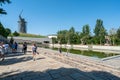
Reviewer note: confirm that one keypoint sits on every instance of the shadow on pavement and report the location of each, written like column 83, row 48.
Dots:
column 58, row 74
column 29, row 51
column 15, row 60
column 40, row 58
column 14, row 54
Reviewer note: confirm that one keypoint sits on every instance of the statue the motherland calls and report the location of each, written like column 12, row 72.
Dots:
column 22, row 24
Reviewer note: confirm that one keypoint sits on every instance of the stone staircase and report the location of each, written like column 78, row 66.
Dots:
column 85, row 65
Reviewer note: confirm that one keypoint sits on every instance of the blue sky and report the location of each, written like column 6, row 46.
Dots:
column 46, row 17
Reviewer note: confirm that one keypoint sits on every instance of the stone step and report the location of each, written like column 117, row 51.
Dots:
column 85, row 65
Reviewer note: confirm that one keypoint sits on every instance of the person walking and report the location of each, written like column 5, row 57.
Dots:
column 34, row 51
column 6, row 46
column 60, row 50
column 2, row 51
column 24, row 47
column 16, row 46
column 13, row 48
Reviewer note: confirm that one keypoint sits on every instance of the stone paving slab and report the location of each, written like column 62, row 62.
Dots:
column 22, row 67
column 113, row 61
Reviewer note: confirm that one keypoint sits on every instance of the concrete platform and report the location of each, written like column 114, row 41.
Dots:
column 22, row 67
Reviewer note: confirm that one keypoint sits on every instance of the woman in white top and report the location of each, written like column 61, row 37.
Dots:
column 34, row 48
column 2, row 51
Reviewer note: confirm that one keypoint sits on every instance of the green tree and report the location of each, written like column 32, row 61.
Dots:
column 112, row 34
column 54, row 40
column 86, row 30
column 118, row 33
column 71, row 35
column 62, row 36
column 72, row 30
column 68, row 36
column 2, row 30
column 2, row 11
column 77, row 38
column 16, row 33
column 8, row 31
column 100, row 31
column 85, row 35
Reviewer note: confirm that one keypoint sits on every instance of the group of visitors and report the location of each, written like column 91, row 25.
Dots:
column 34, row 50
column 4, row 49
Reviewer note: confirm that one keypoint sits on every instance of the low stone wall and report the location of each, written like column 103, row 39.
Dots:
column 90, row 47
column 117, row 48
column 29, row 39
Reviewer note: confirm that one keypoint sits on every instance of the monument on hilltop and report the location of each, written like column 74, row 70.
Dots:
column 22, row 24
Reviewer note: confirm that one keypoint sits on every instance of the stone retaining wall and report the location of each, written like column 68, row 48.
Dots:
column 90, row 47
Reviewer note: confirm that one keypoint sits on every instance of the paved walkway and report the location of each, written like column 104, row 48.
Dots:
column 50, row 66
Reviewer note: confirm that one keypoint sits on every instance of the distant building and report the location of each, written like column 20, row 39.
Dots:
column 22, row 25
column 29, row 40
column 52, row 36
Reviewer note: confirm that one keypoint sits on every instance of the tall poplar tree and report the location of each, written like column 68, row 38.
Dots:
column 100, row 31
column 71, row 37
column 85, row 33
column 118, row 33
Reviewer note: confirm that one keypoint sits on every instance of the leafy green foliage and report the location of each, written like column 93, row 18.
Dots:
column 85, row 35
column 31, row 35
column 8, row 31
column 4, row 31
column 118, row 33
column 72, row 37
column 99, row 28
column 2, row 11
column 62, row 36
column 100, row 31
column 68, row 36
column 16, row 33
column 54, row 40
